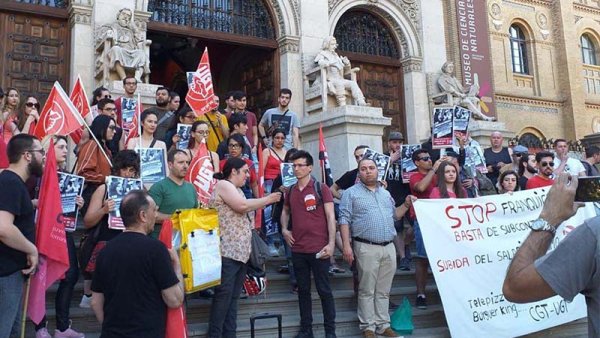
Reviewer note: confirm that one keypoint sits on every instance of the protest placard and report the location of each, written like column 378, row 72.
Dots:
column 442, row 133
column 460, row 122
column 381, row 160
column 70, row 187
column 287, row 174
column 116, row 189
column 470, row 244
column 152, row 164
column 408, row 165
column 127, row 113
column 184, row 131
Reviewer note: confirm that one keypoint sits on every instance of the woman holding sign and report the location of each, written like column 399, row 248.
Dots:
column 67, row 284
column 448, row 185
column 236, row 226
column 272, row 158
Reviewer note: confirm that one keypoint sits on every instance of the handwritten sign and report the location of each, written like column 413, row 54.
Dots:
column 470, row 244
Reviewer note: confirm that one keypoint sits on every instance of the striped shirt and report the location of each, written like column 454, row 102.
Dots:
column 370, row 214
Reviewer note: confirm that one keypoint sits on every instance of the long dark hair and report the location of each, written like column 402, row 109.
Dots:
column 96, row 93
column 523, row 162
column 192, row 143
column 21, row 117
column 231, row 164
column 144, row 116
column 506, row 173
column 100, row 126
column 441, row 181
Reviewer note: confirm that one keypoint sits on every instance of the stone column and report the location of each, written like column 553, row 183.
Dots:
column 418, row 116
column 82, row 44
column 290, row 64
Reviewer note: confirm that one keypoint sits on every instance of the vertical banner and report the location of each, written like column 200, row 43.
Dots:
column 474, row 44
column 470, row 243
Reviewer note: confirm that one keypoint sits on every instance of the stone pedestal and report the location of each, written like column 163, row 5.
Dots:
column 147, row 92
column 480, row 131
column 591, row 140
column 344, row 128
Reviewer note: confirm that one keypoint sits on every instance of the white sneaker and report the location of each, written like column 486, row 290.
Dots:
column 86, row 302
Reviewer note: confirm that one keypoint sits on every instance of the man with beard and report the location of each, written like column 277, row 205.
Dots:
column 281, row 117
column 173, row 192
column 545, row 164
column 527, row 168
column 18, row 254
column 162, row 112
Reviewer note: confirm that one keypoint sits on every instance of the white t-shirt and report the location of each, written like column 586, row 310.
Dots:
column 573, row 167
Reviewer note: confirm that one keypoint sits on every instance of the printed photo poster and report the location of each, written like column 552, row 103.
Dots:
column 470, row 243
column 287, row 175
column 382, row 161
column 474, row 159
column 116, row 189
column 127, row 113
column 442, row 135
column 184, row 131
column 70, row 187
column 460, row 123
column 407, row 163
column 152, row 164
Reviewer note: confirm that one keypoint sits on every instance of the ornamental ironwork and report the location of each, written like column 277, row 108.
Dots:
column 242, row 17
column 49, row 3
column 364, row 33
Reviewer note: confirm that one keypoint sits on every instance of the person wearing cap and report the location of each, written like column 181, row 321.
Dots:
column 399, row 190
column 517, row 152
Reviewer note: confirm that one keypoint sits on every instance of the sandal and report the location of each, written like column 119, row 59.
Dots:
column 336, row 269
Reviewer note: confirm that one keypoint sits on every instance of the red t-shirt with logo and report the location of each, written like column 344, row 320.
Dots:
column 538, row 182
column 414, row 179
column 308, row 220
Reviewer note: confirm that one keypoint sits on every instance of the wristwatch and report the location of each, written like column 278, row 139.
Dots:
column 541, row 224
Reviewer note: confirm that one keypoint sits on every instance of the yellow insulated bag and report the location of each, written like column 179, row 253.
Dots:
column 200, row 250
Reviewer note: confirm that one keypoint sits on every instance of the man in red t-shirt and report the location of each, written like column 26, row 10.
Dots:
column 421, row 184
column 312, row 240
column 545, row 164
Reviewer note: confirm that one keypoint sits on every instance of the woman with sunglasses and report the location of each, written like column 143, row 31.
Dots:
column 30, row 115
column 235, row 144
column 67, row 284
column 9, row 116
column 184, row 116
column 91, row 162
column 236, row 242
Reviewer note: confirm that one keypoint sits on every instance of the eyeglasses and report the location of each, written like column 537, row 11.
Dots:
column 31, row 104
column 425, row 158
column 130, row 83
column 299, row 165
column 234, row 146
column 545, row 164
column 41, row 151
column 112, row 128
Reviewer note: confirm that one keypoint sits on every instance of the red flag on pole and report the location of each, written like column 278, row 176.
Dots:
column 59, row 116
column 79, row 99
column 326, row 176
column 176, row 324
column 201, row 173
column 261, row 186
column 201, row 92
column 136, row 129
column 50, row 240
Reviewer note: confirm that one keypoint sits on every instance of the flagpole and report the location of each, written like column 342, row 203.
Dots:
column 24, row 316
column 139, row 126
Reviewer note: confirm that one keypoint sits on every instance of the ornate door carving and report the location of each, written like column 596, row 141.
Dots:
column 34, row 54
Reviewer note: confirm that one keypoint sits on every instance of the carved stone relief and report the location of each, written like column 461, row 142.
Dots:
column 542, row 22
column 495, row 11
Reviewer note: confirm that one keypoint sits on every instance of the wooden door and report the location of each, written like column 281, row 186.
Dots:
column 258, row 80
column 34, row 53
column 382, row 87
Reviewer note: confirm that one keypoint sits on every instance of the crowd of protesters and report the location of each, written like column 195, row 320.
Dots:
column 371, row 222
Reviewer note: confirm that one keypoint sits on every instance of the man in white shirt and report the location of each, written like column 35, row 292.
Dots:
column 564, row 163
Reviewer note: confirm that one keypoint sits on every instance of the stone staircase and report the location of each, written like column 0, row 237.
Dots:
column 278, row 299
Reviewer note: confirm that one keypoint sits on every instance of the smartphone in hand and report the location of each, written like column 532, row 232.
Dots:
column 588, row 189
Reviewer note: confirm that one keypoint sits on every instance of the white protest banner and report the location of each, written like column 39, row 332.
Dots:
column 470, row 244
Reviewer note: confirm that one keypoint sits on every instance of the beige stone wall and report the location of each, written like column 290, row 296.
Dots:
column 560, row 97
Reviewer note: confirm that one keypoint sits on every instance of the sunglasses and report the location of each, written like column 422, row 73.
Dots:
column 31, row 104
column 546, row 164
column 425, row 158
column 112, row 127
column 107, row 97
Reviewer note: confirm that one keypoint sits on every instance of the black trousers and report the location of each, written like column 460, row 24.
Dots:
column 303, row 265
column 224, row 308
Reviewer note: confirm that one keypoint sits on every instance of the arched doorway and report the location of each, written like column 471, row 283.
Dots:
column 240, row 37
column 369, row 44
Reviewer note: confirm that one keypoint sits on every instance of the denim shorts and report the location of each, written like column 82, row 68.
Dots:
column 421, row 253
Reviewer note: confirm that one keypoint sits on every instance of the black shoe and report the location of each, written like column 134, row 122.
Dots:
column 421, row 302
column 393, row 306
column 208, row 293
column 305, row 334
column 404, row 264
column 330, row 335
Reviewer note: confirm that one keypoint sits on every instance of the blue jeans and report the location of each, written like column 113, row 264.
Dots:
column 64, row 293
column 11, row 294
column 223, row 311
column 421, row 253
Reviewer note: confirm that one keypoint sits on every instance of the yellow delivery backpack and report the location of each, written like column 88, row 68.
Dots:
column 200, row 249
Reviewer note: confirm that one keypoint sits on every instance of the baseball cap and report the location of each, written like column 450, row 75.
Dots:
column 520, row 149
column 395, row 135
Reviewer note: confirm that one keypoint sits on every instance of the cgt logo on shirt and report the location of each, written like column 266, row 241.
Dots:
column 310, row 202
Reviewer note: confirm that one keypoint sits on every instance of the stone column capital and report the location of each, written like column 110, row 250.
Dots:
column 80, row 12
column 411, row 64
column 289, row 44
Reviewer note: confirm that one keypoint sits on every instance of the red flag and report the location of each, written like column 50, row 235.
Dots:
column 50, row 240
column 326, row 176
column 176, row 323
column 261, row 186
column 59, row 116
column 136, row 129
column 201, row 92
column 79, row 99
column 3, row 155
column 201, row 173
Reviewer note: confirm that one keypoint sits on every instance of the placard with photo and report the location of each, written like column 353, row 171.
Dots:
column 152, row 164
column 287, row 174
column 442, row 135
column 460, row 123
column 408, row 166
column 70, row 187
column 127, row 113
column 184, row 131
column 116, row 189
column 382, row 161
